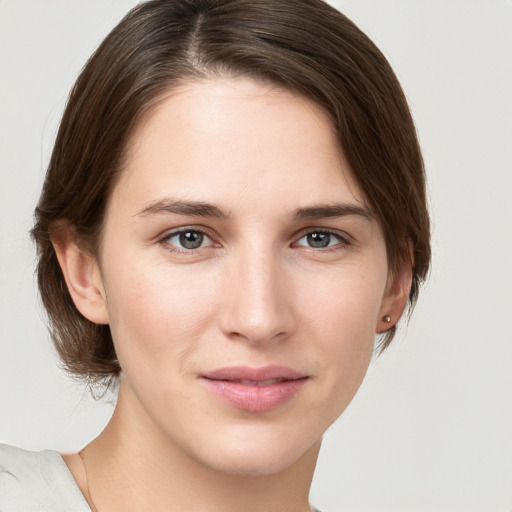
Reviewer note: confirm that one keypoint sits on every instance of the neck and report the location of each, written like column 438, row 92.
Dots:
column 133, row 465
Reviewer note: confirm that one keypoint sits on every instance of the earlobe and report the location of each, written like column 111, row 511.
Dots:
column 82, row 275
column 395, row 298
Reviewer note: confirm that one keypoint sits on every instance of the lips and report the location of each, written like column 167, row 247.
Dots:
column 268, row 382
column 255, row 389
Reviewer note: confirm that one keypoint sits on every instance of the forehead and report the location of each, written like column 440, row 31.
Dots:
column 224, row 139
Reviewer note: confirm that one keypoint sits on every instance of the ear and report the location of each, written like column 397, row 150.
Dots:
column 395, row 297
column 82, row 275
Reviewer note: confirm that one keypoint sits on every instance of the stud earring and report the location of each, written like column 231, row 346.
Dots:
column 386, row 318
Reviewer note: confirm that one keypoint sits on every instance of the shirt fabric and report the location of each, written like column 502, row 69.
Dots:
column 39, row 482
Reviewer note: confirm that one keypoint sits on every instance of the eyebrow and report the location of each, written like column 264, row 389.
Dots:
column 203, row 209
column 194, row 208
column 333, row 210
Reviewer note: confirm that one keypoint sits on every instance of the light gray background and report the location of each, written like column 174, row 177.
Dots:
column 431, row 429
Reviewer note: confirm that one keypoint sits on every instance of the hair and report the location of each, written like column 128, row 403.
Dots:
column 305, row 46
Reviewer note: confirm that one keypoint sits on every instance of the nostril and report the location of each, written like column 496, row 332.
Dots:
column 258, row 336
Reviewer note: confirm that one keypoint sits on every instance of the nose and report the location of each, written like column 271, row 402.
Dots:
column 258, row 306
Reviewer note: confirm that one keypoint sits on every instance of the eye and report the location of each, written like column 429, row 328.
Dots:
column 188, row 239
column 321, row 240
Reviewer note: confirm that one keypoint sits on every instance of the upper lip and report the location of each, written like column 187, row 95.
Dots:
column 248, row 373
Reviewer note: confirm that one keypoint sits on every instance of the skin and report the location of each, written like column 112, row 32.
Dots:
column 254, row 293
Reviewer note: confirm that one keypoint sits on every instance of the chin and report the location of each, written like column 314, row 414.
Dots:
column 245, row 464
column 260, row 455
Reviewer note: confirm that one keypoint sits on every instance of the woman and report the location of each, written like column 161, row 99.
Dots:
column 233, row 210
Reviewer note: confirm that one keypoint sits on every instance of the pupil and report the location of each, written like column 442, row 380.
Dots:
column 191, row 239
column 319, row 240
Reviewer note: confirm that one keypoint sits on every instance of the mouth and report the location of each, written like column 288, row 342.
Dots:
column 255, row 389
column 267, row 382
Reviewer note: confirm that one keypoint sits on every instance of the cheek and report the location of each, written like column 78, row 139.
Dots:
column 347, row 304
column 155, row 311
column 343, row 322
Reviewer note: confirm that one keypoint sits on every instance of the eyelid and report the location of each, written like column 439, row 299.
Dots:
column 344, row 238
column 331, row 231
column 183, row 229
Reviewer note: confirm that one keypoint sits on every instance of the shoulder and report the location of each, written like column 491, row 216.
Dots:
column 37, row 481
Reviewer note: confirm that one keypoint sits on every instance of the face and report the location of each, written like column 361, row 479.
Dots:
column 243, row 276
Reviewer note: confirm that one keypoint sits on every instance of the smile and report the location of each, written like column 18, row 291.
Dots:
column 255, row 389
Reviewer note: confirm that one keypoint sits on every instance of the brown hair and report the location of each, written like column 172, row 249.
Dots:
column 305, row 46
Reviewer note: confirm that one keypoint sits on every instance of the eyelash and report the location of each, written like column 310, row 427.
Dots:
column 181, row 231
column 342, row 241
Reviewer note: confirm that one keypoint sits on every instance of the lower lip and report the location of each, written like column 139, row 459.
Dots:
column 255, row 398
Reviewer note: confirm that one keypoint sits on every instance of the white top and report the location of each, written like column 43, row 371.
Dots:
column 37, row 482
